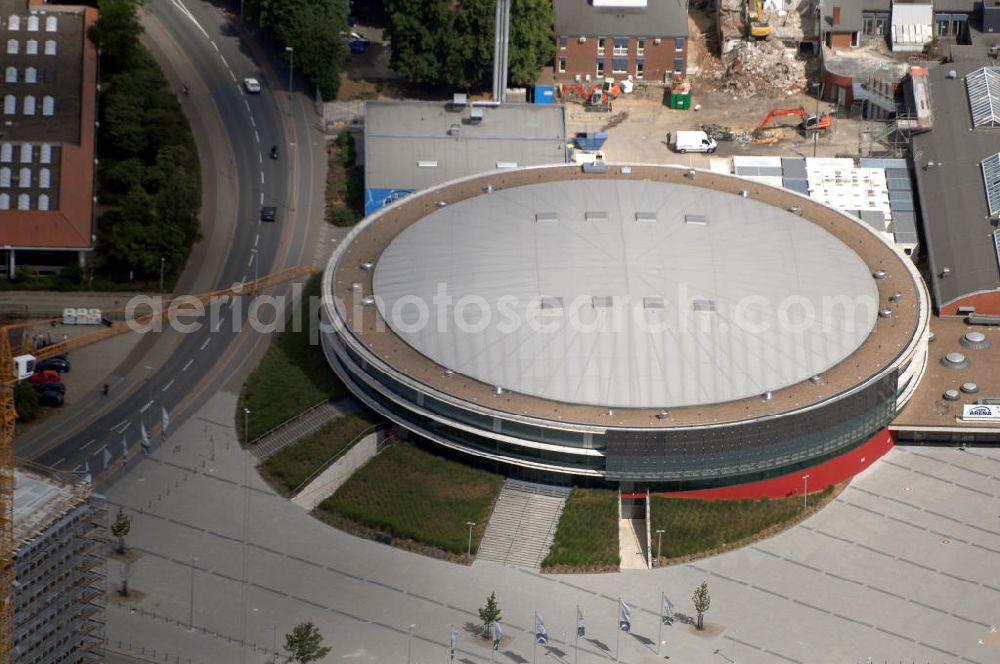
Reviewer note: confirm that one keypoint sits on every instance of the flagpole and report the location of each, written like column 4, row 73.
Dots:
column 618, row 632
column 659, row 638
column 576, row 645
column 534, row 641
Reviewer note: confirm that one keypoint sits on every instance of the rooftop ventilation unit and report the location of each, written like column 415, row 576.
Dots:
column 454, row 130
column 794, row 209
column 442, row 203
column 449, row 372
column 367, row 266
column 475, row 115
column 690, row 174
column 356, row 287
column 551, row 303
column 602, row 301
column 704, row 305
column 368, row 301
column 595, row 215
column 646, row 217
column 969, row 388
column 955, row 360
column 885, row 313
column 497, row 391
column 951, row 395
column 488, row 189
column 975, row 340
column 896, row 296
column 744, row 193
column 815, row 380
column 697, row 219
column 663, row 414
column 427, row 163
column 767, row 396
column 594, row 167
column 458, row 101
column 546, row 217
column 652, row 302
column 879, row 274
column 506, row 164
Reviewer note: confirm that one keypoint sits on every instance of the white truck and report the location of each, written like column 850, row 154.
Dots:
column 694, row 141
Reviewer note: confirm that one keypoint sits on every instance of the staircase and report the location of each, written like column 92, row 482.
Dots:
column 299, row 426
column 523, row 524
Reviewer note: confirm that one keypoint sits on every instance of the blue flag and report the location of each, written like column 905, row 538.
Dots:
column 624, row 616
column 454, row 641
column 541, row 636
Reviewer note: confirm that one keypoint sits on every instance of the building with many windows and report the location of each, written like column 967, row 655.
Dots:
column 662, row 326
column 621, row 39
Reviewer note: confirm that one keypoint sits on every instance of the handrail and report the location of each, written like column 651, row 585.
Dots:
column 290, row 419
column 329, row 462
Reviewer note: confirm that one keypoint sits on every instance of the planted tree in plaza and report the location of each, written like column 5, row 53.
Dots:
column 490, row 613
column 702, row 600
column 120, row 528
column 305, row 644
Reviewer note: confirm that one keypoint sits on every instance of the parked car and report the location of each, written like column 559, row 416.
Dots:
column 268, row 213
column 48, row 376
column 251, row 85
column 45, row 387
column 51, row 398
column 60, row 364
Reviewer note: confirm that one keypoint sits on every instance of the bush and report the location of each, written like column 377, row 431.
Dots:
column 26, row 402
column 342, row 216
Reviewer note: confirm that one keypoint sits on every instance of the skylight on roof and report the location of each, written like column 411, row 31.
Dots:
column 983, row 88
column 991, row 180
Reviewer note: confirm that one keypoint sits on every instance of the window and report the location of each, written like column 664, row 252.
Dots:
column 43, row 202
column 619, row 65
column 600, row 46
column 562, row 64
column 10, row 75
column 24, row 178
column 50, row 47
column 14, row 24
column 600, row 66
column 11, row 47
column 9, row 105
column 563, row 40
column 640, row 69
column 855, row 39
column 621, row 46
column 6, row 153
column 26, row 153
column 4, row 177
column 640, row 46
column 29, row 105
column 23, row 202
column 30, row 75
column 32, row 23
column 44, row 178
column 881, row 24
column 46, row 154
column 51, row 24
column 958, row 24
column 4, row 201
column 678, row 65
column 679, row 44
column 867, row 23
column 31, row 47
column 48, row 105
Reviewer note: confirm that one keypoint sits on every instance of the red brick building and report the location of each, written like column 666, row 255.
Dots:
column 620, row 39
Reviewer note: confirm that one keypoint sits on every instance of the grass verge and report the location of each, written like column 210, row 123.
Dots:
column 290, row 467
column 345, row 197
column 423, row 500
column 587, row 536
column 293, row 375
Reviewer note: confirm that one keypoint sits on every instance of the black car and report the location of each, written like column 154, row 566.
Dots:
column 268, row 213
column 51, row 398
column 60, row 364
column 50, row 387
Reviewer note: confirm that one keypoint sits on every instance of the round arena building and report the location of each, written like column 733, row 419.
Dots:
column 638, row 325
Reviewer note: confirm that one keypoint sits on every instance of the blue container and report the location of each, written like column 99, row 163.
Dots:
column 591, row 140
column 544, row 94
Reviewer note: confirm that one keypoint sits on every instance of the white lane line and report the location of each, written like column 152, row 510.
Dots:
column 256, row 136
column 168, row 386
column 184, row 10
column 260, row 159
column 115, row 427
column 256, row 239
column 214, row 45
column 206, row 343
column 88, row 444
column 253, row 123
column 59, row 461
column 102, row 448
column 246, row 103
column 262, row 198
column 233, row 76
column 262, row 177
column 146, row 407
column 223, row 58
column 185, row 367
column 77, row 469
column 250, row 262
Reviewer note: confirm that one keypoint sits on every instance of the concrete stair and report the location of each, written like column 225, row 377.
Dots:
column 523, row 524
column 299, row 427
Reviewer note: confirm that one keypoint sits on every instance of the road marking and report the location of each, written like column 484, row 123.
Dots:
column 146, row 407
column 185, row 367
column 250, row 262
column 262, row 177
column 88, row 444
column 184, row 10
column 260, row 158
column 247, row 104
column 59, row 461
column 256, row 239
column 115, row 427
column 206, row 343
column 223, row 58
column 262, row 198
column 253, row 123
column 168, row 385
column 212, row 42
column 233, row 76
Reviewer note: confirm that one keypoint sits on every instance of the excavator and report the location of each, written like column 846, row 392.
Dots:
column 597, row 97
column 758, row 26
column 807, row 123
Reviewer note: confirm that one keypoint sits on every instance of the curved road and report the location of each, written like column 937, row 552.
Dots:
column 234, row 132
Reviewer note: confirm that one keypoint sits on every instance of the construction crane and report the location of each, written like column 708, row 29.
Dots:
column 758, row 26
column 11, row 376
column 807, row 123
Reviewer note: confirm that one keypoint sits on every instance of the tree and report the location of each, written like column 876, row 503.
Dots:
column 532, row 40
column 26, row 401
column 117, row 31
column 305, row 644
column 702, row 600
column 120, row 528
column 489, row 613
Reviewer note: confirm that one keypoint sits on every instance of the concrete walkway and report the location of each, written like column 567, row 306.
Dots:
column 331, row 479
column 631, row 535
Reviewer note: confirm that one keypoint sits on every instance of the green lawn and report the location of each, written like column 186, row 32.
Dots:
column 419, row 496
column 290, row 467
column 587, row 536
column 293, row 375
column 696, row 526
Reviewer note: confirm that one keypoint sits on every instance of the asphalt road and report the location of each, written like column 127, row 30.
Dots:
column 199, row 45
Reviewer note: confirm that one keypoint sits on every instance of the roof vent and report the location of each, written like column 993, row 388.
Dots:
column 506, row 164
column 744, row 193
column 690, row 173
column 767, row 396
column 951, row 395
column 546, row 217
column 969, row 388
column 663, row 414
column 880, row 274
column 975, row 340
column 488, row 189
column 885, row 313
column 454, row 130
column 602, row 301
column 698, row 219
column 356, row 287
column 475, row 115
column 549, row 302
column 646, row 217
column 449, row 372
column 704, row 305
column 595, row 215
column 497, row 390
column 594, row 167
column 442, row 203
column 931, row 337
column 896, row 296
column 652, row 302
column 609, row 412
column 952, row 74
column 367, row 266
column 368, row 301
column 794, row 209
column 458, row 101
column 815, row 379
column 945, row 271
column 955, row 360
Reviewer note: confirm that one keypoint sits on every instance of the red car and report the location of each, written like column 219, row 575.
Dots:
column 46, row 376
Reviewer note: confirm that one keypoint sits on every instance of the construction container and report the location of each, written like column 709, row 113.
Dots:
column 543, row 94
column 680, row 100
column 591, row 140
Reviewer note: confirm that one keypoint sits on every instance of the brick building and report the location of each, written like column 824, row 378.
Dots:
column 621, row 39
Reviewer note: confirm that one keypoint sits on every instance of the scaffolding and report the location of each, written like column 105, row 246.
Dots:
column 59, row 571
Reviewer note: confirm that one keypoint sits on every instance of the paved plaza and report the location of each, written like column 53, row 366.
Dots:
column 901, row 567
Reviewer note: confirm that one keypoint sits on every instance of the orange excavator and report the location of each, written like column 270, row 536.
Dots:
column 807, row 123
column 594, row 97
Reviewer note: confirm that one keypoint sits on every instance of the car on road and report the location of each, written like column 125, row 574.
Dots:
column 50, row 387
column 60, row 364
column 51, row 398
column 251, row 85
column 268, row 213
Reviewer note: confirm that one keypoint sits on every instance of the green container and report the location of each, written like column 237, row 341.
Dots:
column 680, row 101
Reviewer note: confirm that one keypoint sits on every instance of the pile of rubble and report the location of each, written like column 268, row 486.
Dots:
column 756, row 69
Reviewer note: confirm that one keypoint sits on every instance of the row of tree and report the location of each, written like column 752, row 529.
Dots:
column 450, row 43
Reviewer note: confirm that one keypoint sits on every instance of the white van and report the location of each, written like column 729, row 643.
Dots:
column 694, row 141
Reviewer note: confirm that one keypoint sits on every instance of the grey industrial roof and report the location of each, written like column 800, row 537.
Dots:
column 952, row 194
column 399, row 135
column 562, row 307
column 659, row 18
column 850, row 15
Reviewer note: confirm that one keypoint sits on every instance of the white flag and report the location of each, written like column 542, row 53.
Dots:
column 580, row 629
column 496, row 633
column 624, row 616
column 124, row 450
column 541, row 636
column 145, row 435
column 107, row 458
column 667, row 613
column 454, row 641
column 165, row 418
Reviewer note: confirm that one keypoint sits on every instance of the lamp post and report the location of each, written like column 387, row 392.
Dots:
column 471, row 525
column 732, row 637
column 409, row 645
column 291, row 66
column 805, row 492
column 163, row 262
column 659, row 542
column 246, row 427
column 194, row 559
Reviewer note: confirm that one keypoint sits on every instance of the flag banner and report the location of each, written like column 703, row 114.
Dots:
column 624, row 616
column 541, row 636
column 454, row 641
column 145, row 434
column 107, row 458
column 667, row 614
column 495, row 634
column 86, row 471
column 124, row 450
column 580, row 629
column 165, row 418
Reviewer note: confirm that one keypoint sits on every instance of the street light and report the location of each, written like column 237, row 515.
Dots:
column 409, row 645
column 162, row 263
column 732, row 637
column 246, row 427
column 291, row 65
column 805, row 492
column 253, row 254
column 471, row 525
column 659, row 541
column 194, row 559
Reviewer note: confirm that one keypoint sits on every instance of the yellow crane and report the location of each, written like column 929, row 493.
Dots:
column 8, row 415
column 758, row 26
